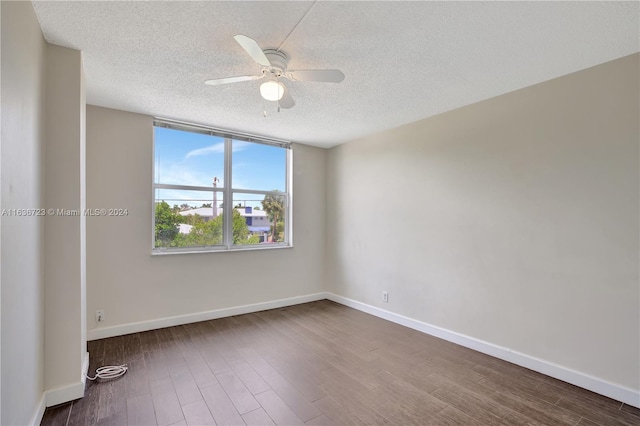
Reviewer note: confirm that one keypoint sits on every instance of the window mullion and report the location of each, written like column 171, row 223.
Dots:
column 227, row 211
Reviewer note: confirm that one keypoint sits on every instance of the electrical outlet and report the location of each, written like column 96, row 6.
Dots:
column 99, row 315
column 385, row 296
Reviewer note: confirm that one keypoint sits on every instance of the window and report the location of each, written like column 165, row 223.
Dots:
column 215, row 190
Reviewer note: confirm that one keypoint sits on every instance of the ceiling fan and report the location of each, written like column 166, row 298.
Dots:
column 273, row 65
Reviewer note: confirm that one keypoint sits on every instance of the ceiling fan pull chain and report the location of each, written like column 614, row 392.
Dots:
column 279, row 97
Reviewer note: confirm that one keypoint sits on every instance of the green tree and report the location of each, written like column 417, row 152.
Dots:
column 241, row 235
column 250, row 239
column 166, row 224
column 202, row 233
column 210, row 233
column 193, row 219
column 273, row 205
column 240, row 228
column 280, row 230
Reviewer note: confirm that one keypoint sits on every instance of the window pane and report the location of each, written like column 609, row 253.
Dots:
column 187, row 218
column 259, row 166
column 187, row 158
column 254, row 217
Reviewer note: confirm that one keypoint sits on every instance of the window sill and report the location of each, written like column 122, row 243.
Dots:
column 200, row 250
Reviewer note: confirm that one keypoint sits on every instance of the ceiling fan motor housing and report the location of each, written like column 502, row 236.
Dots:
column 273, row 65
column 278, row 62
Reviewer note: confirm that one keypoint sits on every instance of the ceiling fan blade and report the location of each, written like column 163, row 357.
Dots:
column 253, row 49
column 327, row 76
column 286, row 101
column 227, row 80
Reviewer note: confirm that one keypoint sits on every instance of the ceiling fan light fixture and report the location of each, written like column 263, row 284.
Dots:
column 273, row 66
column 272, row 90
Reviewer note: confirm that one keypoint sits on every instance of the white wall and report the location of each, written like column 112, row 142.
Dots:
column 513, row 221
column 131, row 285
column 21, row 257
column 65, row 312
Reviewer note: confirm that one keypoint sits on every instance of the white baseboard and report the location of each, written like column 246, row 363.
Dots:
column 603, row 387
column 70, row 392
column 36, row 419
column 85, row 369
column 64, row 394
column 136, row 327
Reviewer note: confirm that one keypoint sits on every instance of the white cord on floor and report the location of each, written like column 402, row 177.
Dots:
column 109, row 372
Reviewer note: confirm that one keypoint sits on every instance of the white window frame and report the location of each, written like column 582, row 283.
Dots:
column 227, row 190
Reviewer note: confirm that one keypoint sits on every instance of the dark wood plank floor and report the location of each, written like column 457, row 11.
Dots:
column 320, row 364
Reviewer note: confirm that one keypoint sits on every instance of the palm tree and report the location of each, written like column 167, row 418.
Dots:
column 273, row 205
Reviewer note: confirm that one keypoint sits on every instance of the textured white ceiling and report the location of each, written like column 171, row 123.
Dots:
column 403, row 61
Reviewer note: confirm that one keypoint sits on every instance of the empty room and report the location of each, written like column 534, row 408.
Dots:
column 320, row 213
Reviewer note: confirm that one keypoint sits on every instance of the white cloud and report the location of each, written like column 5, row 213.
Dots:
column 217, row 148
column 184, row 173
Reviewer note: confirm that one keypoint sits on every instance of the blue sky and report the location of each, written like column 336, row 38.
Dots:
column 185, row 158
